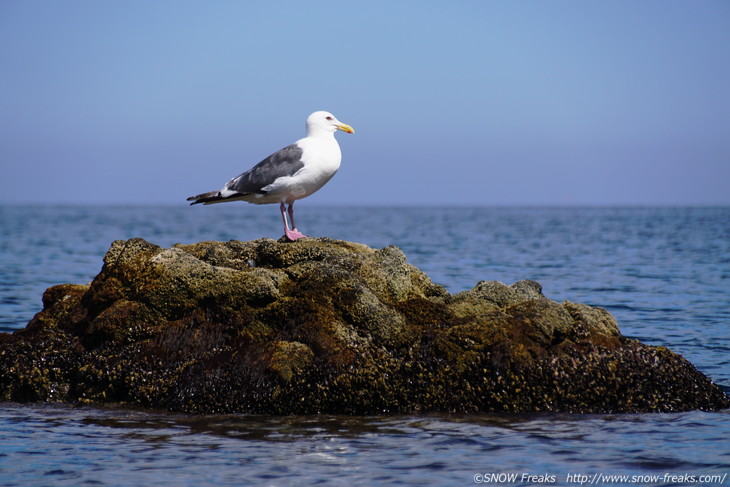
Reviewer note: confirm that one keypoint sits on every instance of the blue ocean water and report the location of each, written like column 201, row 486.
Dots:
column 663, row 272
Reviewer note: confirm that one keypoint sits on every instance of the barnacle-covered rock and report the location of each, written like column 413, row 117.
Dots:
column 326, row 326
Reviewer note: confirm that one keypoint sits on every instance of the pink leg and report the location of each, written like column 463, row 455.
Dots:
column 292, row 234
column 295, row 233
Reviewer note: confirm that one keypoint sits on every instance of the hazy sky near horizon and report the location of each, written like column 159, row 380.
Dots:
column 462, row 102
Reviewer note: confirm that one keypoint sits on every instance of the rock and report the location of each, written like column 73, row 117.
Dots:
column 326, row 326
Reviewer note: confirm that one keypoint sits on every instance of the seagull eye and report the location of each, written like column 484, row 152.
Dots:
column 329, row 118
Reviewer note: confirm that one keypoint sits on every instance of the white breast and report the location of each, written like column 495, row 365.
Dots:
column 321, row 157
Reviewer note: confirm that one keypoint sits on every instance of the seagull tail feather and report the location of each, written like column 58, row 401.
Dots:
column 209, row 197
column 218, row 197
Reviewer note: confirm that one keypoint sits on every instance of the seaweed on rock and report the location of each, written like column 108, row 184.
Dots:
column 326, row 326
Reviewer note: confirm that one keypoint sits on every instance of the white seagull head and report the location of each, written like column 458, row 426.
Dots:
column 325, row 122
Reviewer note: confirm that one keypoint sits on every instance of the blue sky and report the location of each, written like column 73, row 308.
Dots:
column 460, row 103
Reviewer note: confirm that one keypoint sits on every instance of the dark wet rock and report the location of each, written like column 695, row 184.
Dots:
column 320, row 325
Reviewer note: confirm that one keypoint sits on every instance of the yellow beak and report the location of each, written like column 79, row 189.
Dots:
column 346, row 128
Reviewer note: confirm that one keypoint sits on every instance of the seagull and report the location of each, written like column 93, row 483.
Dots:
column 293, row 173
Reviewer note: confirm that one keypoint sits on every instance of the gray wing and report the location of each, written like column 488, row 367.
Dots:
column 285, row 162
